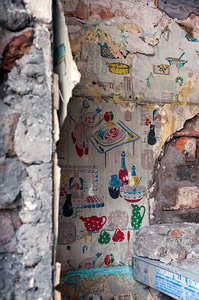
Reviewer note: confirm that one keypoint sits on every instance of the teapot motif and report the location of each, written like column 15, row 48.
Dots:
column 114, row 186
column 94, row 223
column 137, row 217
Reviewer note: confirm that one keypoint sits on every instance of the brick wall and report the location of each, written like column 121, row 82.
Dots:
column 26, row 241
column 175, row 197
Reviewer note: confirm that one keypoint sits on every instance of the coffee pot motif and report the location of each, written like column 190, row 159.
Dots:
column 114, row 186
column 137, row 216
column 67, row 209
column 151, row 138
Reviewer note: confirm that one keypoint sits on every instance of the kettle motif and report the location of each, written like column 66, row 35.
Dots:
column 114, row 186
column 137, row 217
column 94, row 223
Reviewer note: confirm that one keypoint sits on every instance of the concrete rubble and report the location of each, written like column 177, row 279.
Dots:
column 173, row 244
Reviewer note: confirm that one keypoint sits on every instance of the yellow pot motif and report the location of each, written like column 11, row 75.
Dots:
column 119, row 68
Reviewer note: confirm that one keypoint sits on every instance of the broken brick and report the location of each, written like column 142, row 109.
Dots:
column 182, row 255
column 81, row 11
column 7, row 230
column 18, row 46
column 175, row 232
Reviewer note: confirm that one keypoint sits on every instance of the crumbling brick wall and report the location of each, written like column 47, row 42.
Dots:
column 26, row 240
column 175, row 193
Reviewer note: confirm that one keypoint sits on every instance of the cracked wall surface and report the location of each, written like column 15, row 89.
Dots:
column 139, row 85
column 26, row 240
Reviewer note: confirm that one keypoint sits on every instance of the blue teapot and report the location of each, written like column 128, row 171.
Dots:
column 114, row 186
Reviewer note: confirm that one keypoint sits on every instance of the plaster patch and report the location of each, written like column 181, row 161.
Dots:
column 188, row 197
column 134, row 44
column 42, row 12
column 190, row 148
column 174, row 119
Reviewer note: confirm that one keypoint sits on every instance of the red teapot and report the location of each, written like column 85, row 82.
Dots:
column 94, row 223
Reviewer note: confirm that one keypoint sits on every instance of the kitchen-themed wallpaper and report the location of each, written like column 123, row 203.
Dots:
column 116, row 123
column 106, row 165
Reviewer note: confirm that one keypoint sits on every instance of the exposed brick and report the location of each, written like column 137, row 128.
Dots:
column 12, row 174
column 197, row 150
column 191, row 128
column 188, row 197
column 189, row 173
column 190, row 149
column 177, row 181
column 8, row 126
column 135, row 11
column 81, row 11
column 175, row 232
column 180, row 144
column 108, row 10
column 18, row 46
column 7, row 230
column 169, row 244
column 182, row 255
column 16, row 219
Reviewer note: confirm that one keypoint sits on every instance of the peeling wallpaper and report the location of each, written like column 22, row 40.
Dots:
column 124, row 62
column 138, row 86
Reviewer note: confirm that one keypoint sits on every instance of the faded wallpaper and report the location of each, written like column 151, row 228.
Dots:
column 136, row 88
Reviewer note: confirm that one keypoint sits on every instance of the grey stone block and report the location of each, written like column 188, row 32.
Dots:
column 13, row 15
column 12, row 174
column 169, row 243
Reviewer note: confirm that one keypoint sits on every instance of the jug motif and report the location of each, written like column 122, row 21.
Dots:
column 137, row 217
column 114, row 186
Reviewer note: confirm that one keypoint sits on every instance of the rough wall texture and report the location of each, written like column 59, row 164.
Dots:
column 175, row 193
column 174, row 244
column 26, row 240
column 139, row 84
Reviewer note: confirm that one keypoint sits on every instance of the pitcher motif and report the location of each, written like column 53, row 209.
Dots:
column 114, row 186
column 137, row 217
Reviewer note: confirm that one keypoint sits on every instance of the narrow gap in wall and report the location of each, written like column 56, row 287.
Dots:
column 65, row 78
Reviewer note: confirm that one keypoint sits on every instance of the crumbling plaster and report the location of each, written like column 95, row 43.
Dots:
column 140, row 64
column 26, row 137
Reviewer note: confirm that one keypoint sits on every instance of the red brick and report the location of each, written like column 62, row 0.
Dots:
column 7, row 230
column 191, row 128
column 197, row 150
column 182, row 255
column 18, row 46
column 98, row 11
column 107, row 10
column 16, row 220
column 175, row 232
column 180, row 144
column 81, row 11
